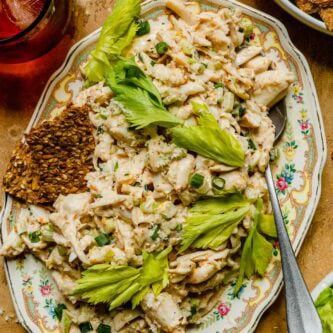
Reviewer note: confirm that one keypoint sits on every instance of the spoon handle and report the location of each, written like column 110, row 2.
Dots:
column 302, row 316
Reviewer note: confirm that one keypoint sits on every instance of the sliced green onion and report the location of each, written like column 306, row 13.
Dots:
column 148, row 187
column 162, row 48
column 85, row 327
column 194, row 306
column 104, row 114
column 252, row 144
column 58, row 310
column 149, row 207
column 218, row 183
column 66, row 322
column 116, row 166
column 247, row 26
column 47, row 233
column 179, row 227
column 193, row 310
column 62, row 250
column 241, row 110
column 156, row 229
column 100, row 130
column 103, row 328
column 166, row 217
column 102, row 239
column 133, row 72
column 196, row 180
column 191, row 61
column 144, row 28
column 218, row 85
column 34, row 237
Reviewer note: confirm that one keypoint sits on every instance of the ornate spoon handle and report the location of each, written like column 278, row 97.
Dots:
column 302, row 316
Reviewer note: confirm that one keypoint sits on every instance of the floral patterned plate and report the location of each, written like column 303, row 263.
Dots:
column 297, row 173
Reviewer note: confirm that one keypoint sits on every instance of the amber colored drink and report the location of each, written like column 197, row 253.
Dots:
column 29, row 28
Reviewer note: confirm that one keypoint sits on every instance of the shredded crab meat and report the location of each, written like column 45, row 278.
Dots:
column 141, row 191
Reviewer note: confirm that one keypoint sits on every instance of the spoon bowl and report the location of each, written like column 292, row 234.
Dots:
column 278, row 115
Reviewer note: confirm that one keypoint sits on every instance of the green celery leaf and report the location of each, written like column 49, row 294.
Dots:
column 138, row 297
column 206, row 119
column 324, row 296
column 125, row 295
column 326, row 315
column 199, row 224
column 117, row 33
column 116, row 285
column 257, row 251
column 198, row 107
column 324, row 305
column 127, row 72
column 217, row 236
column 94, row 71
column 66, row 322
column 219, row 205
column 103, row 275
column 152, row 271
column 261, row 253
column 155, row 270
column 108, row 284
column 222, row 193
column 108, row 293
column 141, row 112
column 209, row 140
column 267, row 225
column 138, row 96
column 246, row 263
column 164, row 264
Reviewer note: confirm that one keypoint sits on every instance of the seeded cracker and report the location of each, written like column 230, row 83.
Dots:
column 307, row 6
column 323, row 3
column 54, row 160
column 327, row 15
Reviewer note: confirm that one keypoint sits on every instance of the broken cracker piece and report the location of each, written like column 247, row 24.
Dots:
column 307, row 6
column 54, row 159
column 327, row 15
column 323, row 3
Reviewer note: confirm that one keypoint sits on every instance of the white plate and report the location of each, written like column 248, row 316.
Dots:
column 311, row 21
column 297, row 174
column 326, row 282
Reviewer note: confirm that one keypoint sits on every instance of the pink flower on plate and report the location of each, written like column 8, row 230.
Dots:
column 299, row 99
column 282, row 184
column 223, row 309
column 304, row 125
column 45, row 290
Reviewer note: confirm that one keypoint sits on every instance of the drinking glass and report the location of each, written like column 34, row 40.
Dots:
column 30, row 28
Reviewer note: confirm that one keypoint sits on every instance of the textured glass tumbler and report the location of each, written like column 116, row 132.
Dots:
column 42, row 33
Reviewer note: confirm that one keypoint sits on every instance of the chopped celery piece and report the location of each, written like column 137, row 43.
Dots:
column 228, row 101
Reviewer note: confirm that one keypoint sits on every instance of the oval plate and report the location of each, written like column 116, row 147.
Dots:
column 326, row 282
column 310, row 20
column 297, row 174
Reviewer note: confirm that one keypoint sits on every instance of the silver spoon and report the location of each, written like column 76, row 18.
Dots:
column 302, row 316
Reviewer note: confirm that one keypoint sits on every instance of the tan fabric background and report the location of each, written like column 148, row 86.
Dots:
column 21, row 86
